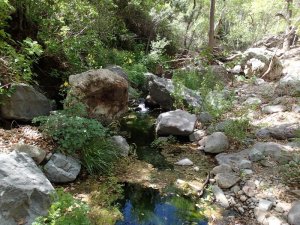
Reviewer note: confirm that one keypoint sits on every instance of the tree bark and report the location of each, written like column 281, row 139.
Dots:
column 211, row 36
column 289, row 34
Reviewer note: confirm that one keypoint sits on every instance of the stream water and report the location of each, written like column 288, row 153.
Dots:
column 146, row 206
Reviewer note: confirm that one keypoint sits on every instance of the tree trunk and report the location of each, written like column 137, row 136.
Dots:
column 211, row 38
column 289, row 35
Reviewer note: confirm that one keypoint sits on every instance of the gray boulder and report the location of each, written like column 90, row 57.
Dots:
column 256, row 61
column 36, row 153
column 61, row 168
column 280, row 132
column 223, row 168
column 118, row 70
column 289, row 84
column 25, row 191
column 205, row 118
column 216, row 142
column 162, row 91
column 227, row 180
column 176, row 122
column 25, row 104
column 269, row 109
column 104, row 92
column 122, row 144
column 294, row 214
column 220, row 197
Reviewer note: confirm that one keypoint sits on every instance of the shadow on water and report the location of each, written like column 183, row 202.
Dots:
column 140, row 128
column 145, row 206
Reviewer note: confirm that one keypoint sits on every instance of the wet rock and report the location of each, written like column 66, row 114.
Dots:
column 269, row 109
column 61, row 168
column 24, row 104
column 122, row 144
column 36, row 153
column 220, row 196
column 25, row 191
column 184, row 162
column 176, row 122
column 294, row 214
column 227, row 180
column 104, row 92
column 216, row 142
column 197, row 135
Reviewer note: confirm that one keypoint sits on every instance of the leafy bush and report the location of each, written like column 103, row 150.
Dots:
column 190, row 79
column 237, row 129
column 290, row 171
column 65, row 210
column 136, row 74
column 71, row 132
column 99, row 155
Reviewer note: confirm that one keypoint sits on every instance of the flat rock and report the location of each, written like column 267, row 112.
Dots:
column 216, row 142
column 269, row 109
column 294, row 214
column 176, row 122
column 280, row 132
column 220, row 196
column 227, row 180
column 24, row 189
column 61, row 168
column 223, row 168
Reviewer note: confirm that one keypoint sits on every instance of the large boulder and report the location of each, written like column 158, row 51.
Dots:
column 122, row 144
column 62, row 169
column 24, row 104
column 36, row 153
column 24, row 190
column 279, row 132
column 215, row 143
column 162, row 91
column 256, row 61
column 294, row 214
column 176, row 122
column 104, row 92
column 290, row 82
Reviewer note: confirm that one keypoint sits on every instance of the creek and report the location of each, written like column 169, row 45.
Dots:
column 144, row 205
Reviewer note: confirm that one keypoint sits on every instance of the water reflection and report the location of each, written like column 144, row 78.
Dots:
column 145, row 206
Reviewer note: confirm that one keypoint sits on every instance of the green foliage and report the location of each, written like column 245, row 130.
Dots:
column 290, row 171
column 99, row 155
column 70, row 131
column 136, row 74
column 162, row 142
column 237, row 129
column 65, row 210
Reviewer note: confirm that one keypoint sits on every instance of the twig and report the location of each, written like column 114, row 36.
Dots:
column 200, row 192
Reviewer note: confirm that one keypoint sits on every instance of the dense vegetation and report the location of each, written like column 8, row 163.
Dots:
column 45, row 41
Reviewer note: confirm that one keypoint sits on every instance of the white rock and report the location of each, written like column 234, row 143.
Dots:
column 184, row 162
column 265, row 205
column 220, row 197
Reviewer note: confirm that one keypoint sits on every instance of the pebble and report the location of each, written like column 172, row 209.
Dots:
column 264, row 205
column 243, row 198
column 241, row 210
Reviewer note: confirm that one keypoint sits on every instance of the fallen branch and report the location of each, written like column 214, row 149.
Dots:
column 200, row 192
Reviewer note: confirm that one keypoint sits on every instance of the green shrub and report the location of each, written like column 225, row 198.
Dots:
column 65, row 210
column 290, row 171
column 136, row 74
column 71, row 133
column 162, row 142
column 237, row 129
column 190, row 79
column 99, row 155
